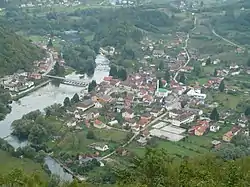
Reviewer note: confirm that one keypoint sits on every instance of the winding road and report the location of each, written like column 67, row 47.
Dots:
column 226, row 40
column 186, row 51
column 164, row 114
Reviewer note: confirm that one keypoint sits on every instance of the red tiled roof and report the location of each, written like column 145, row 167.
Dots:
column 109, row 78
column 98, row 122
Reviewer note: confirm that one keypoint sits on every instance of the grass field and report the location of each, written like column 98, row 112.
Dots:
column 76, row 142
column 228, row 101
column 8, row 163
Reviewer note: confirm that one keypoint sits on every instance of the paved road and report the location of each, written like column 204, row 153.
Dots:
column 188, row 56
column 52, row 64
column 186, row 51
column 136, row 134
column 226, row 40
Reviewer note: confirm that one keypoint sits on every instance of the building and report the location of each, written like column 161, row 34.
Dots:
column 129, row 114
column 101, row 147
column 227, row 137
column 85, row 105
column 184, row 118
column 196, row 94
column 99, row 124
column 214, row 128
column 161, row 92
column 158, row 53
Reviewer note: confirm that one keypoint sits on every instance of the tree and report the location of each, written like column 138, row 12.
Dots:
column 248, row 62
column 215, row 72
column 122, row 74
column 75, row 98
column 247, row 111
column 201, row 3
column 113, row 71
column 167, row 75
column 214, row 115
column 92, row 86
column 54, row 181
column 222, row 86
column 197, row 70
column 38, row 134
column 90, row 134
column 50, row 43
column 66, row 102
column 59, row 70
column 161, row 65
column 182, row 78
column 208, row 61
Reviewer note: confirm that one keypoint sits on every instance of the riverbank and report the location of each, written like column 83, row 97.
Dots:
column 44, row 95
column 26, row 92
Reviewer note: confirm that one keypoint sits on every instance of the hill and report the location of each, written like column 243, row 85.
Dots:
column 16, row 52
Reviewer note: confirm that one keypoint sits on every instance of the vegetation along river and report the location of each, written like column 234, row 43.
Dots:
column 43, row 98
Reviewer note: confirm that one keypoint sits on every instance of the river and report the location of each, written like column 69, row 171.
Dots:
column 45, row 97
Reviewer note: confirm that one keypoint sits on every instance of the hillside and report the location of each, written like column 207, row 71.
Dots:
column 16, row 52
column 157, row 169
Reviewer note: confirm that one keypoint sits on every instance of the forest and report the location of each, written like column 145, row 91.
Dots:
column 16, row 52
column 156, row 169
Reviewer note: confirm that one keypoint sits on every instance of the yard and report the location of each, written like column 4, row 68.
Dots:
column 76, row 142
column 9, row 163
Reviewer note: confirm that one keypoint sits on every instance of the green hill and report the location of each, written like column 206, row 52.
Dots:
column 16, row 52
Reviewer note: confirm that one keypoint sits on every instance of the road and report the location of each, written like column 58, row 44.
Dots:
column 186, row 51
column 136, row 134
column 226, row 40
column 188, row 56
column 51, row 65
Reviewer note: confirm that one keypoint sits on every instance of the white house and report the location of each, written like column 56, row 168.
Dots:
column 183, row 119
column 113, row 122
column 214, row 128
column 196, row 94
column 101, row 147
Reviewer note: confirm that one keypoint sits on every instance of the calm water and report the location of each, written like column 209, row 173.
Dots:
column 45, row 97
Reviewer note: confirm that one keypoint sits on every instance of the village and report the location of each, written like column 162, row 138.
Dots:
column 182, row 118
column 24, row 81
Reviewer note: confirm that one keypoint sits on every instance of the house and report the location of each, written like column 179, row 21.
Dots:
column 99, row 124
column 156, row 112
column 98, row 105
column 128, row 114
column 229, row 135
column 216, row 144
column 114, row 122
column 136, row 128
column 201, row 129
column 129, row 122
column 108, row 78
column 101, row 147
column 36, row 76
column 85, row 105
column 158, row 53
column 196, row 94
column 184, row 118
column 214, row 128
column 142, row 141
column 146, row 116
column 102, row 98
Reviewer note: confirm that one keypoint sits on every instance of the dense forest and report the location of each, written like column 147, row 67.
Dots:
column 157, row 169
column 15, row 52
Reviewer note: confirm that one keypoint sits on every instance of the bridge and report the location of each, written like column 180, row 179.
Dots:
column 69, row 81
